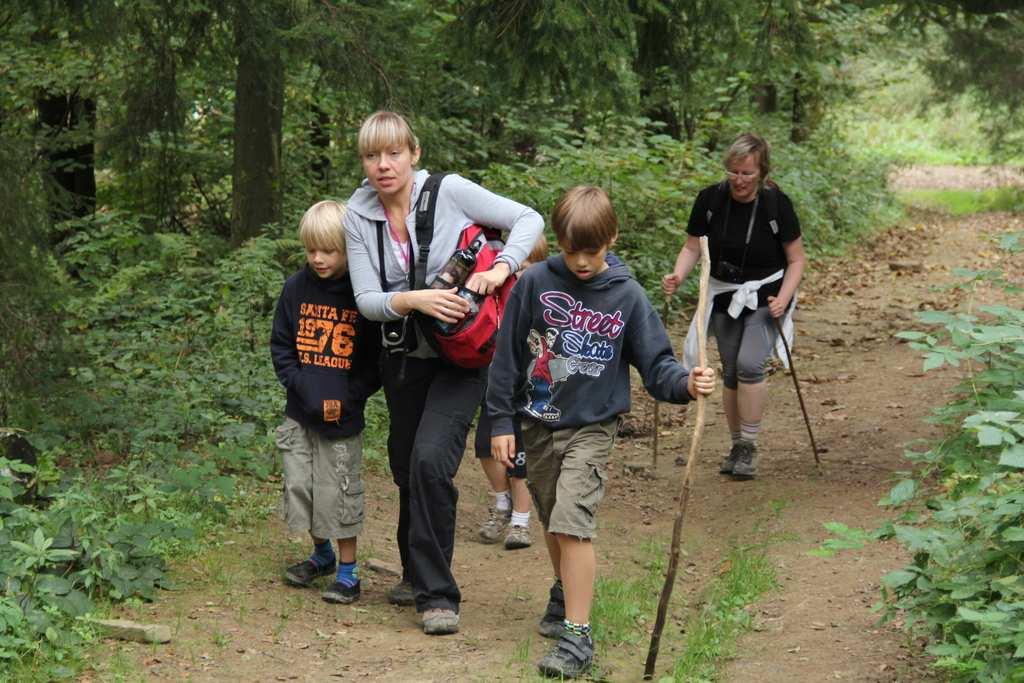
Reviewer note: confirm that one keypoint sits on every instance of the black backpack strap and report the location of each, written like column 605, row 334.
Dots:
column 770, row 202
column 769, row 205
column 721, row 196
column 395, row 334
column 380, row 256
column 425, row 209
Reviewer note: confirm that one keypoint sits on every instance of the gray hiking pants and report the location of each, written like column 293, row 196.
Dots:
column 745, row 345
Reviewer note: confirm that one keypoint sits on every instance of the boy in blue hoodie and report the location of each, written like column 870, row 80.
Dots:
column 572, row 328
column 325, row 354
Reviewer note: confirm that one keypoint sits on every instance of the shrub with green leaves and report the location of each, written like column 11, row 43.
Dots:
column 90, row 540
column 965, row 586
column 167, row 409
column 653, row 181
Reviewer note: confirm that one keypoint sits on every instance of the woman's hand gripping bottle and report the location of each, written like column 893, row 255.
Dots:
column 454, row 273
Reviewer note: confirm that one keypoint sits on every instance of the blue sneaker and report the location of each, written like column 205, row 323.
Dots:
column 340, row 594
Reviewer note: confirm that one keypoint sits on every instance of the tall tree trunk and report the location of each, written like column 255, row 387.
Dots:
column 655, row 50
column 798, row 116
column 72, row 164
column 320, row 139
column 259, row 102
column 766, row 97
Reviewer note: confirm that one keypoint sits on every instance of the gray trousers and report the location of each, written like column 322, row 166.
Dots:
column 745, row 345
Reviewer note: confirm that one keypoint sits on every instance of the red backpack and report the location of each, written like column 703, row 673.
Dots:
column 471, row 343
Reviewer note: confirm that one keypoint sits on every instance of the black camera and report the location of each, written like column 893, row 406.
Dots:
column 727, row 272
column 397, row 337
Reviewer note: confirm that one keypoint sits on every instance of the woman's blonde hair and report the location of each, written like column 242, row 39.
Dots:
column 745, row 145
column 384, row 129
column 584, row 219
column 321, row 227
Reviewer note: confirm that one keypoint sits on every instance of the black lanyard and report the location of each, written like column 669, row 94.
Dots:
column 750, row 228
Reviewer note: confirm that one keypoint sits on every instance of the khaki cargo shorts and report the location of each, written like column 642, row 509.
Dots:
column 566, row 474
column 323, row 484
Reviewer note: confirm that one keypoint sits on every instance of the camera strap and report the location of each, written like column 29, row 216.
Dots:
column 750, row 226
column 426, row 205
column 400, row 344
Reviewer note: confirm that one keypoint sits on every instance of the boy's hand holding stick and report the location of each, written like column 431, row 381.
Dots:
column 698, row 429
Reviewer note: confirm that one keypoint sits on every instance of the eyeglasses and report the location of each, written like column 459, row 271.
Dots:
column 732, row 175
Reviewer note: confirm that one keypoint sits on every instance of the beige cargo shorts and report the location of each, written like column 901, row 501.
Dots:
column 566, row 474
column 323, row 484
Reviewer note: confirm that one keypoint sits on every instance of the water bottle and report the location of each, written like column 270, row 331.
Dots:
column 474, row 307
column 455, row 272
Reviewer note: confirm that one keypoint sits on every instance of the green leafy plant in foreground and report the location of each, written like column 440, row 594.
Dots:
column 93, row 542
column 844, row 538
column 711, row 634
column 623, row 605
column 965, row 586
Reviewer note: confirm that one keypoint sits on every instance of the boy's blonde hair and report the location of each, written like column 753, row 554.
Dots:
column 384, row 129
column 321, row 228
column 584, row 219
column 745, row 145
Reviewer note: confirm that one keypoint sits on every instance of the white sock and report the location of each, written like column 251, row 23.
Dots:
column 748, row 431
column 735, row 435
column 520, row 518
column 502, row 501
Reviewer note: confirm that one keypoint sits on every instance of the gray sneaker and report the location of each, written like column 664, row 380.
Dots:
column 518, row 537
column 729, row 461
column 402, row 594
column 440, row 622
column 494, row 527
column 745, row 466
column 571, row 657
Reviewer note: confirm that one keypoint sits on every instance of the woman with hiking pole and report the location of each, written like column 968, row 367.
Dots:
column 403, row 230
column 757, row 260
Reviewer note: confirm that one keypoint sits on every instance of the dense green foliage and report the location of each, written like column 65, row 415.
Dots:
column 901, row 116
column 142, row 257
column 964, row 585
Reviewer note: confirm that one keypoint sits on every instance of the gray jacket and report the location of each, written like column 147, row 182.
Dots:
column 460, row 203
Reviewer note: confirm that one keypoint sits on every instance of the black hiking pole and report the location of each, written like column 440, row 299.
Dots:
column 684, row 495
column 799, row 395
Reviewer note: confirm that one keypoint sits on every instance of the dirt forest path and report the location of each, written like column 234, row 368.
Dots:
column 234, row 620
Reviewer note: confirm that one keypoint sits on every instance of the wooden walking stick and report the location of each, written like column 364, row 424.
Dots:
column 657, row 403
column 796, row 383
column 684, row 496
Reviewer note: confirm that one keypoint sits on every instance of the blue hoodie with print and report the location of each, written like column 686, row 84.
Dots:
column 325, row 353
column 566, row 344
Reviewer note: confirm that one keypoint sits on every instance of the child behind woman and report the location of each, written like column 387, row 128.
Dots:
column 511, row 509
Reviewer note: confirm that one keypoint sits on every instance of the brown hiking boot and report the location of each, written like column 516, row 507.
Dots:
column 745, row 466
column 729, row 461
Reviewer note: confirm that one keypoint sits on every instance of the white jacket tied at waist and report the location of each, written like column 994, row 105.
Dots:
column 744, row 296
